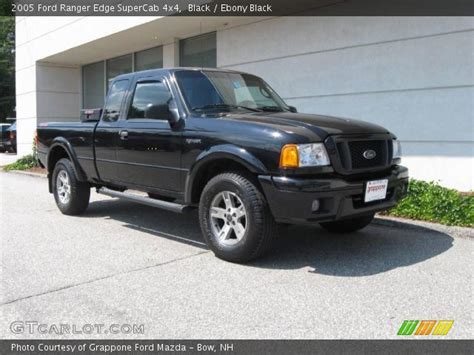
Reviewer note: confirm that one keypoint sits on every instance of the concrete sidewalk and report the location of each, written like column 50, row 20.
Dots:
column 7, row 158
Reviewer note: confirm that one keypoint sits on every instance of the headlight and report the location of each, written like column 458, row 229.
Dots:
column 303, row 155
column 397, row 152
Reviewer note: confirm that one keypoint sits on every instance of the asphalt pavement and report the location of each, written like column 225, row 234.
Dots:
column 123, row 263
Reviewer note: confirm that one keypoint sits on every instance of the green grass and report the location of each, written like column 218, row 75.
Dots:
column 428, row 201
column 24, row 163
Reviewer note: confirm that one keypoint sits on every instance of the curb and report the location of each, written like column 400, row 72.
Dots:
column 27, row 173
column 405, row 223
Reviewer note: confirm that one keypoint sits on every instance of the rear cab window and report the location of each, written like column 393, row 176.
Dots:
column 114, row 100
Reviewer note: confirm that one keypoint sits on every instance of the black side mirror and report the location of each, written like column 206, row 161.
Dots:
column 173, row 109
column 165, row 111
column 293, row 109
column 157, row 112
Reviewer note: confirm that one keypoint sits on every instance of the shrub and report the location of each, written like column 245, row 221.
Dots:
column 429, row 201
column 24, row 163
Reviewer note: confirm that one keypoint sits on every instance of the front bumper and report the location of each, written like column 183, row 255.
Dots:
column 291, row 199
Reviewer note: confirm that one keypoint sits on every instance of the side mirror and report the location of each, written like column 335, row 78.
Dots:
column 293, row 109
column 173, row 109
column 167, row 111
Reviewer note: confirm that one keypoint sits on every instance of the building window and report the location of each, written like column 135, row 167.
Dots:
column 199, row 51
column 117, row 66
column 93, row 78
column 149, row 59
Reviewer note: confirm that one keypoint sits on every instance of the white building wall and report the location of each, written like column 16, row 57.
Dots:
column 47, row 91
column 414, row 76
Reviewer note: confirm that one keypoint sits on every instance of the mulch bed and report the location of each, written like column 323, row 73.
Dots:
column 37, row 170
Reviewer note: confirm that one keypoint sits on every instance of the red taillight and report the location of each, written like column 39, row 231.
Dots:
column 12, row 135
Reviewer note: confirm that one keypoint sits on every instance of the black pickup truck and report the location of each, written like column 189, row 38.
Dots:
column 226, row 143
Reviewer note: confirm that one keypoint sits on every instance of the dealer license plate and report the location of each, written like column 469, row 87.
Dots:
column 376, row 190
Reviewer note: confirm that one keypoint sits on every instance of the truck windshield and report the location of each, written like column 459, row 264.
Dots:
column 213, row 91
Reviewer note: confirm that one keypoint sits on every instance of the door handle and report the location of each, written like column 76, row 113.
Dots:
column 123, row 135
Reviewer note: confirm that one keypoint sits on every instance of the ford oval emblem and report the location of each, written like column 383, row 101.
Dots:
column 369, row 154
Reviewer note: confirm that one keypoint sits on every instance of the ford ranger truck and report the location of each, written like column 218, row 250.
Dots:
column 225, row 143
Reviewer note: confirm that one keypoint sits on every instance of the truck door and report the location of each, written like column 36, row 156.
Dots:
column 149, row 149
column 106, row 134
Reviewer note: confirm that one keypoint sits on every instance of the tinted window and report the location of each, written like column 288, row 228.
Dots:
column 214, row 90
column 146, row 95
column 199, row 51
column 114, row 100
column 149, row 59
column 198, row 89
column 117, row 66
column 93, row 85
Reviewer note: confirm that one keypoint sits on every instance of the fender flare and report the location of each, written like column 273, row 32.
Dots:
column 224, row 151
column 66, row 145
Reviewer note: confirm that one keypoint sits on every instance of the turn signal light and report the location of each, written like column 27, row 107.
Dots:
column 289, row 156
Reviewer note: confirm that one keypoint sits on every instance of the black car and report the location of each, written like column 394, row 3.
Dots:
column 3, row 136
column 223, row 142
column 10, row 143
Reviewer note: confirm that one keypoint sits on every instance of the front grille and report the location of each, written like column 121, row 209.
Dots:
column 357, row 149
column 349, row 153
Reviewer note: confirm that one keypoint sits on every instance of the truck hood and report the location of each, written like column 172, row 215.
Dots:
column 322, row 126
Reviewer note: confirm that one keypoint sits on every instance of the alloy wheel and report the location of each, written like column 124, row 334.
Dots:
column 228, row 218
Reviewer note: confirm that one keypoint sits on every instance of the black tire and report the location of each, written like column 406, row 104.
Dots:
column 79, row 191
column 260, row 227
column 348, row 225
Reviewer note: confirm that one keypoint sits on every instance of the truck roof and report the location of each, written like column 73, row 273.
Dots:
column 172, row 70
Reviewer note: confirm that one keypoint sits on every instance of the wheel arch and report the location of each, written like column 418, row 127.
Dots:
column 217, row 160
column 59, row 149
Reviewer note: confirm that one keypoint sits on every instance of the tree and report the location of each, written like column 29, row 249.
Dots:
column 6, row 8
column 7, row 67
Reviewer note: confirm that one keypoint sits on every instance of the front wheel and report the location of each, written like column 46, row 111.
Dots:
column 71, row 195
column 235, row 219
column 348, row 225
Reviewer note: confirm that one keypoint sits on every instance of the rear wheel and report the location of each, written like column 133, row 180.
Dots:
column 235, row 219
column 348, row 225
column 71, row 195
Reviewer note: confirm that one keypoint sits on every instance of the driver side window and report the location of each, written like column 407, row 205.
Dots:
column 148, row 96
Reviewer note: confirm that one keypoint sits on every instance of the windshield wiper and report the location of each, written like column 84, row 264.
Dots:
column 210, row 106
column 271, row 108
